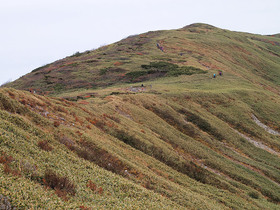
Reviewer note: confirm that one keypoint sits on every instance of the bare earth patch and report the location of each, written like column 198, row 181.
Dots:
column 268, row 129
column 258, row 144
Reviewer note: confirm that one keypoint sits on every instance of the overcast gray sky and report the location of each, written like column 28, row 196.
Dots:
column 36, row 32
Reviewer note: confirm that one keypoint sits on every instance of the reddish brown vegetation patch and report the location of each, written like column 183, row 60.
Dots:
column 83, row 102
column 56, row 124
column 97, row 122
column 61, row 184
column 44, row 145
column 84, row 207
column 118, row 63
column 94, row 188
column 6, row 161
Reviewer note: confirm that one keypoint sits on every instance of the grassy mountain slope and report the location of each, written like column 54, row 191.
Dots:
column 183, row 140
column 248, row 56
column 167, row 156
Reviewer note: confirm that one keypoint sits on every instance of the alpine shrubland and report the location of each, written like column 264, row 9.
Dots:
column 142, row 123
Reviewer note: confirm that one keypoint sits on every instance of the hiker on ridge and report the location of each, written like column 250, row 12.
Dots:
column 214, row 75
column 160, row 47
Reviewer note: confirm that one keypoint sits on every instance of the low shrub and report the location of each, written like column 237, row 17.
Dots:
column 161, row 69
column 173, row 121
column 10, row 105
column 103, row 71
column 94, row 188
column 171, row 69
column 97, row 122
column 240, row 126
column 44, row 145
column 6, row 161
column 60, row 183
column 90, row 151
column 186, row 70
column 160, row 66
column 202, row 124
column 135, row 74
column 272, row 196
column 188, row 168
column 254, row 195
column 56, row 123
column 91, row 185
column 62, row 194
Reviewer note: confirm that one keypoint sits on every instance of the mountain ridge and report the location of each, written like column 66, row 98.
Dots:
column 142, row 123
column 112, row 64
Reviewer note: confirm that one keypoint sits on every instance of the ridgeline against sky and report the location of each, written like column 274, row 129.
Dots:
column 34, row 33
column 201, row 46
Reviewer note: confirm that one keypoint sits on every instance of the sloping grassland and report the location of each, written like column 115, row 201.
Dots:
column 130, row 150
column 142, row 123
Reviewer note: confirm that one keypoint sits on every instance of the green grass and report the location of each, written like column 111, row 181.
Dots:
column 172, row 146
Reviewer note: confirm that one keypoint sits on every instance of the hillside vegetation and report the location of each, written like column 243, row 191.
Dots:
column 151, row 55
column 142, row 123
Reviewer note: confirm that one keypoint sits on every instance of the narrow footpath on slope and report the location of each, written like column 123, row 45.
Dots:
column 268, row 129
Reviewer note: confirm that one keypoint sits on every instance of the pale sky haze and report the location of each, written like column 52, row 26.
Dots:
column 36, row 32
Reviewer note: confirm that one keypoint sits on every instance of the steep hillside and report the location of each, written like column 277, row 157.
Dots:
column 169, row 150
column 136, row 125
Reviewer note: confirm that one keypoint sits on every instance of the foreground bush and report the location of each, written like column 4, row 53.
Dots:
column 44, row 145
column 60, row 183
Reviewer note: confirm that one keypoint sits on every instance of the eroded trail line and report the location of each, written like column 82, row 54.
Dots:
column 258, row 144
column 268, row 129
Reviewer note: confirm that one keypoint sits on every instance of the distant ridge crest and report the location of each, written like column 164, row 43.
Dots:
column 199, row 25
